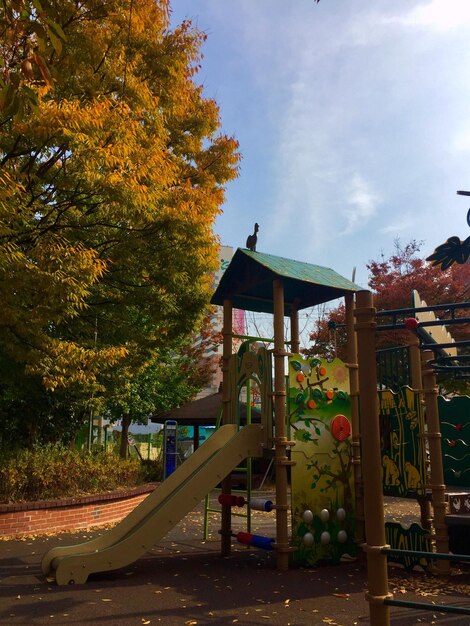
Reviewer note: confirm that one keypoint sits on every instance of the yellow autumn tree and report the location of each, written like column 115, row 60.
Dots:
column 112, row 172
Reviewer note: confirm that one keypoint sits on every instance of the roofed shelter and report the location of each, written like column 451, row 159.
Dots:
column 259, row 282
column 248, row 282
column 202, row 412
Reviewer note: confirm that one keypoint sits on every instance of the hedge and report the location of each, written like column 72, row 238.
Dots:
column 52, row 471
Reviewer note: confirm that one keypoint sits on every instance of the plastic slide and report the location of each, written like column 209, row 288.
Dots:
column 160, row 511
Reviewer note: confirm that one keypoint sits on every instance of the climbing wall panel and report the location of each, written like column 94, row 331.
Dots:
column 323, row 516
column 454, row 415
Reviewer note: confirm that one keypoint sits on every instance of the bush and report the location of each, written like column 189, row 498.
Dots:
column 51, row 471
column 152, row 471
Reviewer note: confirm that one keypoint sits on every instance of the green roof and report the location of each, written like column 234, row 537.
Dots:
column 249, row 277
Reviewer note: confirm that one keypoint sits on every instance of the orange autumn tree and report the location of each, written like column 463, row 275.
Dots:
column 112, row 172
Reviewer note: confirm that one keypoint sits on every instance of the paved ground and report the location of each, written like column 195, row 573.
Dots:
column 184, row 581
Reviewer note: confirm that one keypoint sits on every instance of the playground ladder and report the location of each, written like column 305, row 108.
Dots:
column 248, row 470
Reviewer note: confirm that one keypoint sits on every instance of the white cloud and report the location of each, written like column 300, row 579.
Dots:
column 461, row 141
column 347, row 115
column 398, row 227
column 440, row 15
column 362, row 201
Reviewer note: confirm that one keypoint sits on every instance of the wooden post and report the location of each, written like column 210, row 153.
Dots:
column 435, row 456
column 294, row 331
column 416, row 383
column 415, row 360
column 377, row 575
column 280, row 440
column 227, row 336
column 227, row 331
column 196, row 440
column 355, row 426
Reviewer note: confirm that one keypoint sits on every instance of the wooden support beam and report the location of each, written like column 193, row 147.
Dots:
column 227, row 330
column 377, row 575
column 434, row 437
column 280, row 439
column 355, row 425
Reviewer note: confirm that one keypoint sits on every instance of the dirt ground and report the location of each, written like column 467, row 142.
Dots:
column 184, row 581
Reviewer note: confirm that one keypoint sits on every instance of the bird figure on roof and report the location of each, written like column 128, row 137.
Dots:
column 252, row 239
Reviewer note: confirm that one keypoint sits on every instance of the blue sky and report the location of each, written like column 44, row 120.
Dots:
column 353, row 120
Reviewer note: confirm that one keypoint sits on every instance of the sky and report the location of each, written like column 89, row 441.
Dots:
column 353, row 120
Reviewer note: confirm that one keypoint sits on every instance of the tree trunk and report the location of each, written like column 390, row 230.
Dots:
column 125, row 423
column 33, row 429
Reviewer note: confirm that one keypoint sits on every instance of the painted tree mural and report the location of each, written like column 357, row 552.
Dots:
column 322, row 478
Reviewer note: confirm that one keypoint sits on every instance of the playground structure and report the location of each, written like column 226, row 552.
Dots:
column 341, row 504
column 422, row 369
column 256, row 282
column 264, row 283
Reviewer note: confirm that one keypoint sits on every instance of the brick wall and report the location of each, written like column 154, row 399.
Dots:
column 71, row 514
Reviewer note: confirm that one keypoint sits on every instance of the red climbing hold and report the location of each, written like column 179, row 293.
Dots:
column 340, row 428
column 411, row 323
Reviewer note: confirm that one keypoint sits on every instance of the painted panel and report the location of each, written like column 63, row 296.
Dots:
column 255, row 363
column 413, row 538
column 323, row 518
column 455, row 429
column 403, row 447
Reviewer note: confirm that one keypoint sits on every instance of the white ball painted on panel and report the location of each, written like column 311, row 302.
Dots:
column 307, row 516
column 341, row 514
column 324, row 515
column 325, row 538
column 342, row 536
column 308, row 540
